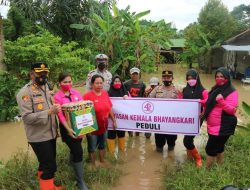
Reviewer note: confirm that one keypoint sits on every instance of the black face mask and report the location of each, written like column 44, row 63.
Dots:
column 167, row 83
column 101, row 66
column 42, row 80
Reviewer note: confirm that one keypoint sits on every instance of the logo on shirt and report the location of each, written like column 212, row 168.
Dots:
column 135, row 92
column 147, row 107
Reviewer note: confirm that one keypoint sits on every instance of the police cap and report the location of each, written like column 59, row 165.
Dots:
column 167, row 73
column 39, row 67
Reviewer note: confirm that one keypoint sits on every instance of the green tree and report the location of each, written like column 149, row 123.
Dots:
column 214, row 26
column 16, row 25
column 56, row 15
column 241, row 14
column 216, row 22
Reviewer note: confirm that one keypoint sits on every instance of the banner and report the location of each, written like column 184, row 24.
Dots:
column 154, row 115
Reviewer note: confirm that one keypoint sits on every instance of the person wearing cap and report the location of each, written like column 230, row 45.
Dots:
column 220, row 113
column 153, row 82
column 39, row 116
column 135, row 87
column 102, row 62
column 167, row 90
column 194, row 90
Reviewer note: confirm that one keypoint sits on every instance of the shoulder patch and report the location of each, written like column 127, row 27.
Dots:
column 25, row 98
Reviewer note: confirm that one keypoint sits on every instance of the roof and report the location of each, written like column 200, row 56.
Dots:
column 240, row 39
column 236, row 48
column 176, row 43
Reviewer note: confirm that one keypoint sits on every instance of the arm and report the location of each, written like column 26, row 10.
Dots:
column 112, row 116
column 230, row 103
column 25, row 104
column 88, row 86
column 204, row 97
column 60, row 114
column 153, row 93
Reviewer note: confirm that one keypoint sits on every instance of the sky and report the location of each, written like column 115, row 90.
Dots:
column 179, row 12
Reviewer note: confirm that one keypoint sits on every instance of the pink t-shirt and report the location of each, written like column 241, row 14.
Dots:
column 61, row 98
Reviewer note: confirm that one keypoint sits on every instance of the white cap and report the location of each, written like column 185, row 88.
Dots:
column 134, row 70
column 154, row 81
column 101, row 58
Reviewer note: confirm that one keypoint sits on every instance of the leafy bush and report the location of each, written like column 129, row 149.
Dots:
column 41, row 47
column 46, row 47
column 9, row 84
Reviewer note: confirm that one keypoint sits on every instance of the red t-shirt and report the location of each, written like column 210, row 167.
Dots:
column 102, row 106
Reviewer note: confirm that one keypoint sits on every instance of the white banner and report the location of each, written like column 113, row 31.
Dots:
column 153, row 115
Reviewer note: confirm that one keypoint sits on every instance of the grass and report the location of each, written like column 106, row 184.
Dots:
column 19, row 172
column 235, row 170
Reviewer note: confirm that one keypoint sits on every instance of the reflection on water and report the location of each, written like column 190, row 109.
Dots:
column 143, row 166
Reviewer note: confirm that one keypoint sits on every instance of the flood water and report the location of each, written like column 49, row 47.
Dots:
column 143, row 165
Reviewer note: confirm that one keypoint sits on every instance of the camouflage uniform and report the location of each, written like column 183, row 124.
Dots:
column 105, row 74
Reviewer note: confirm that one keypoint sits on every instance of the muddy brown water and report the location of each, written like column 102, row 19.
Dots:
column 143, row 166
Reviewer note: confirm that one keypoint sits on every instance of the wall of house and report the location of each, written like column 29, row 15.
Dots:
column 242, row 61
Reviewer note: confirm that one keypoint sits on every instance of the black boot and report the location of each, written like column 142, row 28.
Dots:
column 79, row 175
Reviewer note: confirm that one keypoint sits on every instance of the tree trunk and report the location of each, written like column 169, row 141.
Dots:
column 2, row 66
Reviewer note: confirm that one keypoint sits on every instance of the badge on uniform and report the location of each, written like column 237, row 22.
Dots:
column 25, row 98
column 39, row 106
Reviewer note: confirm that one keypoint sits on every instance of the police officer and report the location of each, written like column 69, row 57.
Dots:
column 39, row 117
column 167, row 90
column 102, row 62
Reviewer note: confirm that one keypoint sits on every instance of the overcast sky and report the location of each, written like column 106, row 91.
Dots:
column 180, row 12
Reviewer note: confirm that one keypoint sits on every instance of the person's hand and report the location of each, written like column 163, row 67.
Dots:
column 202, row 114
column 71, row 133
column 218, row 97
column 54, row 109
column 125, row 97
column 114, row 125
column 148, row 90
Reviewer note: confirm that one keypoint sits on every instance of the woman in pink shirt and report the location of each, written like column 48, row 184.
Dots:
column 66, row 95
column 220, row 114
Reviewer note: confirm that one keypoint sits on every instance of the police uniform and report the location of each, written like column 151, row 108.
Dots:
column 165, row 92
column 105, row 74
column 34, row 103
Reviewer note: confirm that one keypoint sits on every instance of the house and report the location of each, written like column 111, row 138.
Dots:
column 175, row 46
column 234, row 54
column 237, row 54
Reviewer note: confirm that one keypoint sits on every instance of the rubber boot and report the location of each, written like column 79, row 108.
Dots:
column 209, row 161
column 189, row 155
column 197, row 157
column 78, row 168
column 220, row 158
column 111, row 146
column 48, row 184
column 121, row 144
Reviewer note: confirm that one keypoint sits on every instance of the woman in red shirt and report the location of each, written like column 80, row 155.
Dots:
column 103, row 109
